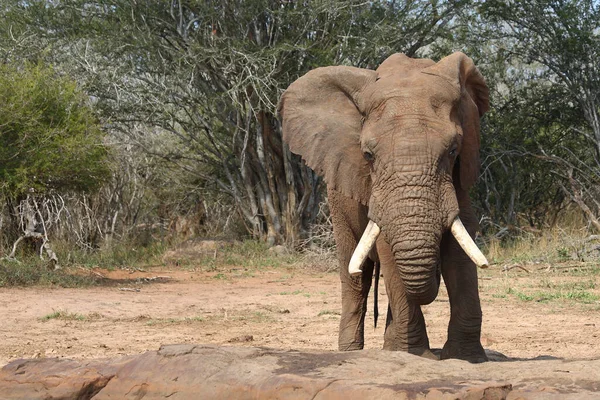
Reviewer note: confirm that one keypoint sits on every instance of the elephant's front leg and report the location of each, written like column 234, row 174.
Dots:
column 349, row 221
column 355, row 291
column 405, row 325
column 460, row 277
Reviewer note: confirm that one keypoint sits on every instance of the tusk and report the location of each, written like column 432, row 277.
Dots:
column 363, row 248
column 468, row 245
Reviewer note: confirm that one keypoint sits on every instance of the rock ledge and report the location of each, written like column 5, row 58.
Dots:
column 213, row 372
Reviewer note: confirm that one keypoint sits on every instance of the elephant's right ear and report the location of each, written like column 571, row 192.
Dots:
column 322, row 116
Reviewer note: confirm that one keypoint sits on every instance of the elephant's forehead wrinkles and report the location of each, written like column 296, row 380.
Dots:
column 408, row 125
column 418, row 88
column 412, row 145
column 432, row 110
column 418, row 122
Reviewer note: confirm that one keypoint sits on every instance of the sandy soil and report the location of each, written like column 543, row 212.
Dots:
column 283, row 308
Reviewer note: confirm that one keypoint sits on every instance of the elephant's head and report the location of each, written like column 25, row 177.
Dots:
column 400, row 140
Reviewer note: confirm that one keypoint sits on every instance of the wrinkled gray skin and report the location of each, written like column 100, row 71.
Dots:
column 399, row 146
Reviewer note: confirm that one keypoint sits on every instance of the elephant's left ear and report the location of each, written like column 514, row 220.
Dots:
column 461, row 71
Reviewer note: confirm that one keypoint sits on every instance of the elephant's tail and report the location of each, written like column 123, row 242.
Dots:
column 375, row 292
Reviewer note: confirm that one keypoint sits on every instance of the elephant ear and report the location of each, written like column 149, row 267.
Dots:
column 474, row 102
column 322, row 116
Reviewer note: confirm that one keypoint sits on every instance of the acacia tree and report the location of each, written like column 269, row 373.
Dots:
column 561, row 36
column 209, row 74
column 547, row 117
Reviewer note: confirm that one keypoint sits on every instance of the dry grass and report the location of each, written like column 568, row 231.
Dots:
column 559, row 266
column 65, row 315
column 552, row 246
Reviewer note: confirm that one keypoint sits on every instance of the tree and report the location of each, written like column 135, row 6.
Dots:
column 50, row 139
column 551, row 50
column 50, row 142
column 209, row 73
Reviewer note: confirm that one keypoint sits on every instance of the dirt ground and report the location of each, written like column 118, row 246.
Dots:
column 284, row 308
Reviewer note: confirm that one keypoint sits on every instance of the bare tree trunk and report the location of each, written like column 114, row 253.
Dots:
column 34, row 227
column 265, row 174
column 291, row 218
column 576, row 195
column 590, row 113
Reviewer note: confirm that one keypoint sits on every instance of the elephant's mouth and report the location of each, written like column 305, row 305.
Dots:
column 367, row 241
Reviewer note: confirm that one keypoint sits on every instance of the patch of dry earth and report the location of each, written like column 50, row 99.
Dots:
column 282, row 308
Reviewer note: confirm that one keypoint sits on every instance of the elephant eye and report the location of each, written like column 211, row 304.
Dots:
column 452, row 152
column 368, row 156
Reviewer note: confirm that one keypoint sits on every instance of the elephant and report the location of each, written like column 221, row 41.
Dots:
column 398, row 148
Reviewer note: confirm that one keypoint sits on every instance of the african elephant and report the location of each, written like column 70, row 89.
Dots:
column 399, row 149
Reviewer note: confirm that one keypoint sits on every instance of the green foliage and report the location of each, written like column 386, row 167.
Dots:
column 578, row 296
column 328, row 312
column 296, row 292
column 548, row 247
column 208, row 74
column 75, row 262
column 249, row 254
column 563, row 253
column 49, row 138
column 541, row 146
column 193, row 85
column 63, row 315
column 34, row 272
column 124, row 254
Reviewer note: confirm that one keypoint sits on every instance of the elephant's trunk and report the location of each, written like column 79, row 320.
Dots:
column 420, row 282
column 416, row 251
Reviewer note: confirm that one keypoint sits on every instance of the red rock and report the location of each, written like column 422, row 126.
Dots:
column 212, row 372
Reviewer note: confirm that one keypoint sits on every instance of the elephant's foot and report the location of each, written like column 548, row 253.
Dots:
column 471, row 352
column 425, row 353
column 420, row 351
column 350, row 346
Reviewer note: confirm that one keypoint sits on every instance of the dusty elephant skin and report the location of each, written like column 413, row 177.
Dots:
column 399, row 149
column 212, row 372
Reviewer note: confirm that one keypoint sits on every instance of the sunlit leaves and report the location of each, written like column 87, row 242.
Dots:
column 49, row 138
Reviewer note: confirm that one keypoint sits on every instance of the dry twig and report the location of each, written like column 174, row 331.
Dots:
column 507, row 268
